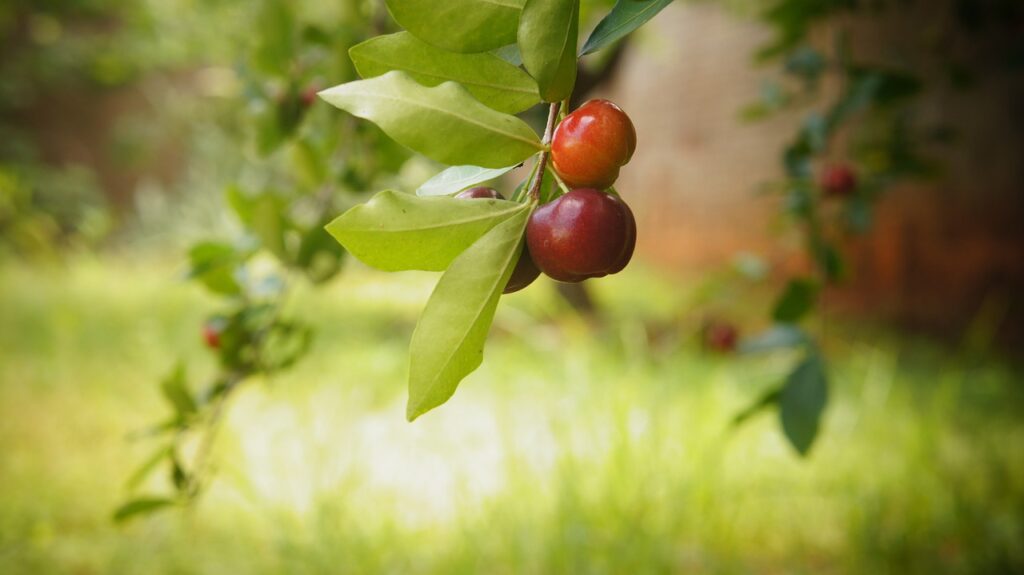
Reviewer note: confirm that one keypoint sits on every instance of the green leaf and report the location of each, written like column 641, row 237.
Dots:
column 213, row 264
column 459, row 25
column 490, row 79
column 448, row 343
column 548, row 32
column 458, row 178
column 444, row 123
column 176, row 392
column 147, row 467
column 626, row 16
column 796, row 301
column 767, row 400
column 802, row 402
column 396, row 231
column 778, row 337
column 141, row 506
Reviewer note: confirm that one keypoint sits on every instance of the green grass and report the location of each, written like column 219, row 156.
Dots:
column 573, row 449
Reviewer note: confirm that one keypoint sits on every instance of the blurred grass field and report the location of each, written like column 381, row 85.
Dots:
column 572, row 450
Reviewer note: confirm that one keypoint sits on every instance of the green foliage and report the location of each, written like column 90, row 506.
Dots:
column 458, row 178
column 626, row 16
column 444, row 123
column 396, row 231
column 802, row 401
column 548, row 35
column 495, row 82
column 459, row 25
column 448, row 343
column 796, row 301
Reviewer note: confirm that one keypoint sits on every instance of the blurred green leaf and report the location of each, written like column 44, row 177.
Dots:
column 143, row 506
column 396, row 231
column 458, row 178
column 777, row 337
column 798, row 299
column 444, row 123
column 488, row 78
column 213, row 264
column 548, row 34
column 626, row 16
column 448, row 343
column 802, row 402
column 459, row 25
column 765, row 401
column 143, row 471
column 176, row 392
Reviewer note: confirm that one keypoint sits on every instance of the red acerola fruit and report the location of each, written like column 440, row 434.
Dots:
column 485, row 193
column 838, row 181
column 721, row 336
column 584, row 234
column 211, row 334
column 591, row 144
column 525, row 271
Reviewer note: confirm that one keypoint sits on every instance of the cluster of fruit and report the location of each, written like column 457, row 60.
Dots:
column 587, row 232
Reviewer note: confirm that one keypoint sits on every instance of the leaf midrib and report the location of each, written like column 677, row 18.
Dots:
column 650, row 6
column 434, row 381
column 453, row 79
column 445, row 224
column 532, row 143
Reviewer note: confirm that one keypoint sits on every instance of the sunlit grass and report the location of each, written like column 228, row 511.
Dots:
column 573, row 449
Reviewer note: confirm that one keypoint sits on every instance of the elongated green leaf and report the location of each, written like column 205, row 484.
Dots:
column 796, row 301
column 490, row 79
column 396, row 231
column 548, row 33
column 802, row 402
column 176, row 392
column 626, row 16
column 459, row 25
column 147, row 467
column 444, row 123
column 448, row 343
column 458, row 178
column 141, row 507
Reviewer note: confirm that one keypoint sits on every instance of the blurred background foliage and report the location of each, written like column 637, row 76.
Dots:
column 146, row 140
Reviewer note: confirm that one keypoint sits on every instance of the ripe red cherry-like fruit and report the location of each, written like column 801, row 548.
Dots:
column 838, row 181
column 721, row 336
column 525, row 271
column 584, row 234
column 486, row 193
column 211, row 334
column 592, row 143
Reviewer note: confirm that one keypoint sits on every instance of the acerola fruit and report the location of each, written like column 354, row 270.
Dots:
column 211, row 334
column 721, row 336
column 584, row 234
column 591, row 144
column 525, row 271
column 838, row 181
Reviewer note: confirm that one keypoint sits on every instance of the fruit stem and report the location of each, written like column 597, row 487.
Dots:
column 543, row 161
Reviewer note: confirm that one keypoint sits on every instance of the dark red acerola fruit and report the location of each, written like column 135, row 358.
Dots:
column 211, row 334
column 584, row 234
column 480, row 193
column 838, row 181
column 721, row 336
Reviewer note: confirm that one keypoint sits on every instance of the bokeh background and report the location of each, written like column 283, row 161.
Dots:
column 598, row 436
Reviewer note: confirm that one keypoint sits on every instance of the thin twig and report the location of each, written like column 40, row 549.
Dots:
column 543, row 161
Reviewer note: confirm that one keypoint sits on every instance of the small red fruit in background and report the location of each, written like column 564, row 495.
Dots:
column 525, row 271
column 475, row 193
column 584, row 234
column 838, row 181
column 211, row 334
column 721, row 336
column 591, row 144
column 308, row 95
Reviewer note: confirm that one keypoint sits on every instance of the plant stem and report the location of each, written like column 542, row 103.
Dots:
column 543, row 161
